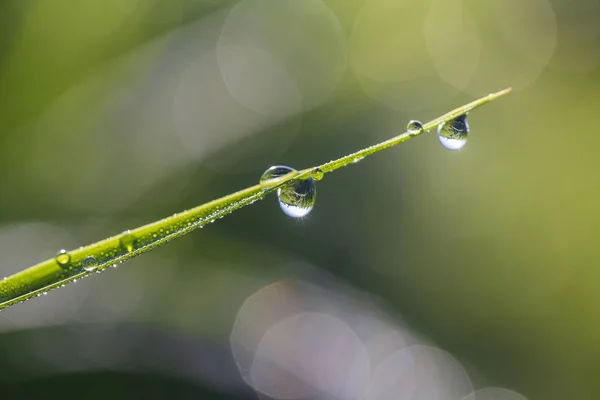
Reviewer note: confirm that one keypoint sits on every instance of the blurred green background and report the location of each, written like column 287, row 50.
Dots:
column 114, row 113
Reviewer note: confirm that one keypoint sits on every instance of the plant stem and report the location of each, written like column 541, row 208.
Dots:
column 55, row 272
column 359, row 155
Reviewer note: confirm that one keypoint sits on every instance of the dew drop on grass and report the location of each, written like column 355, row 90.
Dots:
column 90, row 264
column 275, row 175
column 298, row 199
column 453, row 134
column 63, row 258
column 127, row 241
column 414, row 127
column 317, row 174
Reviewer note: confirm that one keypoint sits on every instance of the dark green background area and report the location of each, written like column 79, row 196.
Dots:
column 490, row 252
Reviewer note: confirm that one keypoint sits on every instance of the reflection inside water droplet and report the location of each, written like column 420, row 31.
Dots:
column 414, row 127
column 453, row 134
column 90, row 264
column 275, row 175
column 298, row 199
column 63, row 258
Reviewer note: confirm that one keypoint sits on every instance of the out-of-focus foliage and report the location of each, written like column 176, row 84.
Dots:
column 116, row 113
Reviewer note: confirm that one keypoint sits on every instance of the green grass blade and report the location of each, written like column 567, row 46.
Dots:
column 359, row 155
column 57, row 272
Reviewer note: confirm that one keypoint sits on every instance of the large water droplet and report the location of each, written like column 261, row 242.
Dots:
column 414, row 127
column 127, row 241
column 275, row 175
column 453, row 134
column 90, row 264
column 63, row 258
column 298, row 199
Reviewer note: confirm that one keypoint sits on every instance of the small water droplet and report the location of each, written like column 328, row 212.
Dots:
column 453, row 134
column 63, row 258
column 357, row 159
column 414, row 127
column 275, row 175
column 317, row 174
column 298, row 199
column 127, row 241
column 90, row 263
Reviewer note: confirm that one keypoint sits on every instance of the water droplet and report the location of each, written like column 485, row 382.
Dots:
column 453, row 134
column 317, row 174
column 414, row 127
column 90, row 263
column 275, row 175
column 63, row 258
column 127, row 241
column 357, row 159
column 298, row 199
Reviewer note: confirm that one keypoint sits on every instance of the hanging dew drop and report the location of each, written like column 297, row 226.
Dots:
column 90, row 264
column 414, row 127
column 276, row 175
column 298, row 199
column 453, row 134
column 317, row 174
column 63, row 258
